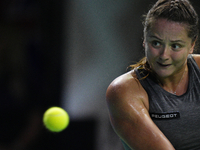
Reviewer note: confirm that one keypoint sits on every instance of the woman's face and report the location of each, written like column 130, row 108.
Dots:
column 167, row 46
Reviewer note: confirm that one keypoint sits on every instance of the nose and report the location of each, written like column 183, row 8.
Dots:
column 164, row 53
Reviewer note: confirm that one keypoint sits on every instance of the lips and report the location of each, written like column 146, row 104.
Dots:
column 163, row 65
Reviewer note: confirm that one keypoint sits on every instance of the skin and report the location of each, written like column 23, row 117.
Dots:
column 127, row 100
column 167, row 46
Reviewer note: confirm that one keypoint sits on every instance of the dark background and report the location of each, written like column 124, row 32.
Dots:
column 33, row 39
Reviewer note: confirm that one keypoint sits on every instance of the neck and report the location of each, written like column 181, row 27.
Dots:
column 177, row 84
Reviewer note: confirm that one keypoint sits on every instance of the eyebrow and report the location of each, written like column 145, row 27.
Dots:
column 152, row 36
column 175, row 41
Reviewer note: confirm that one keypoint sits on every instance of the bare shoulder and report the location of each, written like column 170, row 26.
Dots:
column 128, row 110
column 123, row 83
column 197, row 59
column 125, row 89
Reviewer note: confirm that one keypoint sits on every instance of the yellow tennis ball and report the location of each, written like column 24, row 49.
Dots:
column 56, row 119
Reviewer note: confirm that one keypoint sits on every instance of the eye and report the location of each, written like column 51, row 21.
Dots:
column 176, row 46
column 156, row 44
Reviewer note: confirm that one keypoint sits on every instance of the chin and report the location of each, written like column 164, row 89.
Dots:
column 163, row 73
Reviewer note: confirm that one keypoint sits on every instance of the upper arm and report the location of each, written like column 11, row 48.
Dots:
column 130, row 118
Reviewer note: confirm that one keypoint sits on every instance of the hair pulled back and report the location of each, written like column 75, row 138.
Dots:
column 180, row 11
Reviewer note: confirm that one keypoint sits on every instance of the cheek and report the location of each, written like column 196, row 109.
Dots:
column 151, row 56
column 179, row 58
column 151, row 53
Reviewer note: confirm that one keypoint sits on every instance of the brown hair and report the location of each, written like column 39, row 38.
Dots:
column 173, row 10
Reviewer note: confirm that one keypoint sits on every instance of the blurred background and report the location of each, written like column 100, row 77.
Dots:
column 64, row 53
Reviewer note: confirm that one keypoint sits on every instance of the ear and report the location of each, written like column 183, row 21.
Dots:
column 191, row 49
column 192, row 46
column 143, row 44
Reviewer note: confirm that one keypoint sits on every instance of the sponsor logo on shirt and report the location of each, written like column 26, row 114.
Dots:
column 171, row 115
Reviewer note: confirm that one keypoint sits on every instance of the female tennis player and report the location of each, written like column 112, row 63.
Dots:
column 156, row 105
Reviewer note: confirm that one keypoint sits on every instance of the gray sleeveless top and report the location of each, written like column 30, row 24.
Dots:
column 178, row 117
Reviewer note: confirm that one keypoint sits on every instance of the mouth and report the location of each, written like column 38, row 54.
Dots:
column 163, row 65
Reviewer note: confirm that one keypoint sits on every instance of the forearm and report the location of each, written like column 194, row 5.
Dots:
column 143, row 136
